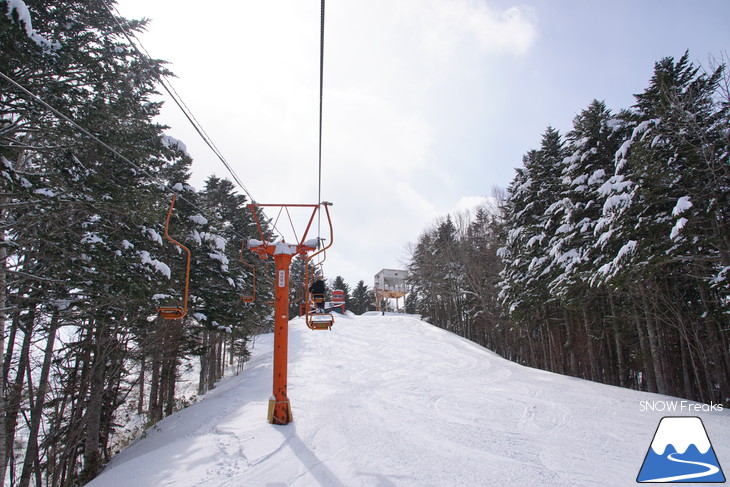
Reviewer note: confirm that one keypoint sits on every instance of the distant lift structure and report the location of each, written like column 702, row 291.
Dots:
column 282, row 253
column 392, row 284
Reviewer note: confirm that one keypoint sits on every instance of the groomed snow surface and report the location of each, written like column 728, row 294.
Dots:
column 393, row 401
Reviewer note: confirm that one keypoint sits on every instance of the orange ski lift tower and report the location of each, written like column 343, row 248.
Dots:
column 176, row 312
column 282, row 253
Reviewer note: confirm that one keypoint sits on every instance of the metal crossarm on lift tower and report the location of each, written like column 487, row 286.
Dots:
column 282, row 253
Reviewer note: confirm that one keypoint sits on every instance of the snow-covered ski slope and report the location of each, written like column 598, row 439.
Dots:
column 393, row 401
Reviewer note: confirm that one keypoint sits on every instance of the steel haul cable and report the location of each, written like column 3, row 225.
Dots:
column 137, row 45
column 321, row 93
column 96, row 139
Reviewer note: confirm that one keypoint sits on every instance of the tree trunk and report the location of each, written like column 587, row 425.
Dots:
column 645, row 355
column 92, row 420
column 589, row 346
column 155, row 408
column 661, row 385
column 3, row 371
column 204, row 364
column 15, row 395
column 142, row 370
column 31, row 453
column 617, row 342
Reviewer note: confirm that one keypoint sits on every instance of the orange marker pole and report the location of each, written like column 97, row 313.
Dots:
column 279, row 406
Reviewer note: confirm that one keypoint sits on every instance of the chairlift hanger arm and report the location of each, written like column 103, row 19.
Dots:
column 326, row 205
column 176, row 312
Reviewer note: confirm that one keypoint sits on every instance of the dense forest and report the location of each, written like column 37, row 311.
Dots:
column 608, row 258
column 87, row 180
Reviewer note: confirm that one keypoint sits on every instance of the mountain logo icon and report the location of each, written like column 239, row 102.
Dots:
column 681, row 452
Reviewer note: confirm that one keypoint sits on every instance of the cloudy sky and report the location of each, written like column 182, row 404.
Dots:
column 428, row 104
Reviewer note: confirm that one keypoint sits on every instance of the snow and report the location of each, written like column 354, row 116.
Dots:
column 535, row 239
column 218, row 241
column 252, row 242
column 393, row 401
column 45, row 192
column 628, row 248
column 219, row 257
column 159, row 266
column 154, row 236
column 21, row 10
column 605, row 237
column 616, row 201
column 285, row 248
column 721, row 276
column 91, row 238
column 677, row 228
column 597, row 177
column 643, row 127
column 169, row 141
column 92, row 220
column 198, row 219
column 615, row 184
column 621, row 154
column 683, row 204
column 61, row 304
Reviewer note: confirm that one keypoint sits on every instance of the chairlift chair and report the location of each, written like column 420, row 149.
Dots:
column 176, row 312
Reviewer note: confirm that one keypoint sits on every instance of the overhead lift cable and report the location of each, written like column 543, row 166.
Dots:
column 321, row 95
column 167, row 86
column 321, row 92
column 96, row 139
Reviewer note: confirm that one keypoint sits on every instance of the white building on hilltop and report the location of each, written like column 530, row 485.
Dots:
column 390, row 283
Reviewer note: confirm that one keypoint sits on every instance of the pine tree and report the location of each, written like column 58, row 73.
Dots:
column 361, row 299
column 592, row 144
column 532, row 194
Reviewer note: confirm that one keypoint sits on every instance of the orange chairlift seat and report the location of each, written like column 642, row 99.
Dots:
column 177, row 312
column 249, row 298
column 316, row 320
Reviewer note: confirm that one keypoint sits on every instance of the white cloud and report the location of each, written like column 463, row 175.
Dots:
column 470, row 203
column 367, row 134
column 445, row 25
